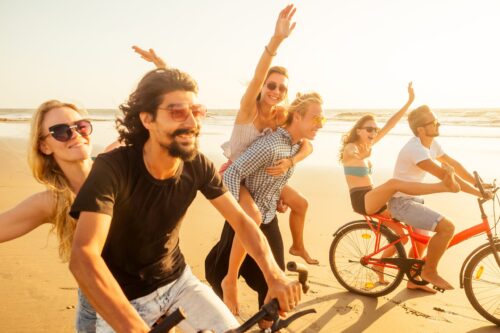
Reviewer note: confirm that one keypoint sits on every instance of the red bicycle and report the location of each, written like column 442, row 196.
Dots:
column 357, row 262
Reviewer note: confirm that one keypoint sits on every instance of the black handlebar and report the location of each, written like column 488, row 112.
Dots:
column 267, row 311
column 292, row 266
column 170, row 321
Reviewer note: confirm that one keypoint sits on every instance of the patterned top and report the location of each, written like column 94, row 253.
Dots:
column 250, row 167
column 242, row 136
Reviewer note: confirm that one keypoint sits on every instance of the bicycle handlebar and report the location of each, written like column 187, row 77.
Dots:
column 480, row 185
column 170, row 321
column 292, row 266
column 269, row 310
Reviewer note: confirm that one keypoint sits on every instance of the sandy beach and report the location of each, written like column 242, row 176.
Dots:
column 39, row 294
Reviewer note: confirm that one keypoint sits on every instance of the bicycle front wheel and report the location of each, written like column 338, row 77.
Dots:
column 356, row 265
column 482, row 284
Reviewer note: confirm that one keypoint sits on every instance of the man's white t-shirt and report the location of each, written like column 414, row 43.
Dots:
column 410, row 155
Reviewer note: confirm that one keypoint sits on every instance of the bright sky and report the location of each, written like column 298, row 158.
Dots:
column 356, row 53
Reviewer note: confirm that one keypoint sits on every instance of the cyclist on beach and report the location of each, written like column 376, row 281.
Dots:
column 261, row 112
column 126, row 256
column 355, row 154
column 417, row 158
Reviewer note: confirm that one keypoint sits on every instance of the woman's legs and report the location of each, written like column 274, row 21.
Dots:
column 229, row 283
column 378, row 197
column 298, row 208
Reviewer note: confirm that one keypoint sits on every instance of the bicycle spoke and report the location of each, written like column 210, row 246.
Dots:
column 349, row 261
column 482, row 284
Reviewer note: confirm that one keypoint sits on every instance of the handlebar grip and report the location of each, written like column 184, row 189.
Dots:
column 479, row 183
column 170, row 321
column 292, row 266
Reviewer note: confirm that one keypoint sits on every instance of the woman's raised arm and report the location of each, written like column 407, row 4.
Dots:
column 150, row 56
column 282, row 30
column 397, row 116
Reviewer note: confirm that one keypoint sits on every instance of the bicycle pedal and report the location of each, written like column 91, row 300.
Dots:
column 441, row 290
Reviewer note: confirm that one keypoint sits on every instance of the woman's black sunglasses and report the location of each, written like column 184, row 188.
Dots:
column 64, row 132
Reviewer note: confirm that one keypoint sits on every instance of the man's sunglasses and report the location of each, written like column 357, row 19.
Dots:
column 434, row 122
column 319, row 120
column 64, row 132
column 180, row 111
column 371, row 129
column 273, row 85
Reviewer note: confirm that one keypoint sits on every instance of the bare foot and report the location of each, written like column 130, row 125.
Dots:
column 449, row 179
column 412, row 286
column 436, row 280
column 230, row 296
column 304, row 255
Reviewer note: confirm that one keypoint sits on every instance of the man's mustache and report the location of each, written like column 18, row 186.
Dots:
column 181, row 131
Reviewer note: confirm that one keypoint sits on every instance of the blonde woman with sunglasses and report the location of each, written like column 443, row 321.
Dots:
column 261, row 113
column 355, row 154
column 59, row 158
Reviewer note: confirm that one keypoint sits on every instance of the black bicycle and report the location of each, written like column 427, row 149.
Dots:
column 269, row 311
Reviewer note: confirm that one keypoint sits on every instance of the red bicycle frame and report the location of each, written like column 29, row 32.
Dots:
column 415, row 237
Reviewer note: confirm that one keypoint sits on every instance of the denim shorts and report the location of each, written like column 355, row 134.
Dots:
column 411, row 210
column 85, row 315
column 203, row 308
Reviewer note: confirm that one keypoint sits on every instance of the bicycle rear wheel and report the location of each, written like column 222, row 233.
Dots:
column 348, row 252
column 482, row 284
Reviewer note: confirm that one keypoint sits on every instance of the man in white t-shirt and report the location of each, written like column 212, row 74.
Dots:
column 417, row 158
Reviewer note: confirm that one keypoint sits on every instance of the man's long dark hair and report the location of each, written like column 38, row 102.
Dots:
column 146, row 98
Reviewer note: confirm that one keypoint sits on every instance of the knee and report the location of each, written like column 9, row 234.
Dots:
column 445, row 228
column 300, row 205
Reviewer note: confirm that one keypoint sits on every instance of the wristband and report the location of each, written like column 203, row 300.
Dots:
column 269, row 52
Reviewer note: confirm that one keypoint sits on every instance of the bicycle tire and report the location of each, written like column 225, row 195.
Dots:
column 482, row 284
column 349, row 246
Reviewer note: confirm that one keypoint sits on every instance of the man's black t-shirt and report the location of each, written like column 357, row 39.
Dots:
column 142, row 247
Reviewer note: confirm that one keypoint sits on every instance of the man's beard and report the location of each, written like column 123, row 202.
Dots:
column 432, row 135
column 175, row 149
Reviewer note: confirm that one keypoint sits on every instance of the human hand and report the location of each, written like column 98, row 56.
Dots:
column 286, row 291
column 364, row 150
column 280, row 167
column 281, row 207
column 411, row 93
column 488, row 194
column 150, row 56
column 284, row 25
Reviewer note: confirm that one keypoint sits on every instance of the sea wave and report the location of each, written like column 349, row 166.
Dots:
column 455, row 117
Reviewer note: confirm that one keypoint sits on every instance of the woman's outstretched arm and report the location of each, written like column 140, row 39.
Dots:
column 282, row 30
column 26, row 216
column 397, row 116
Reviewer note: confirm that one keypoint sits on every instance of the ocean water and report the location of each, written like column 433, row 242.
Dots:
column 466, row 122
column 471, row 136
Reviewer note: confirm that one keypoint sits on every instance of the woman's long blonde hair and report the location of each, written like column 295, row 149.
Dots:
column 352, row 135
column 47, row 172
